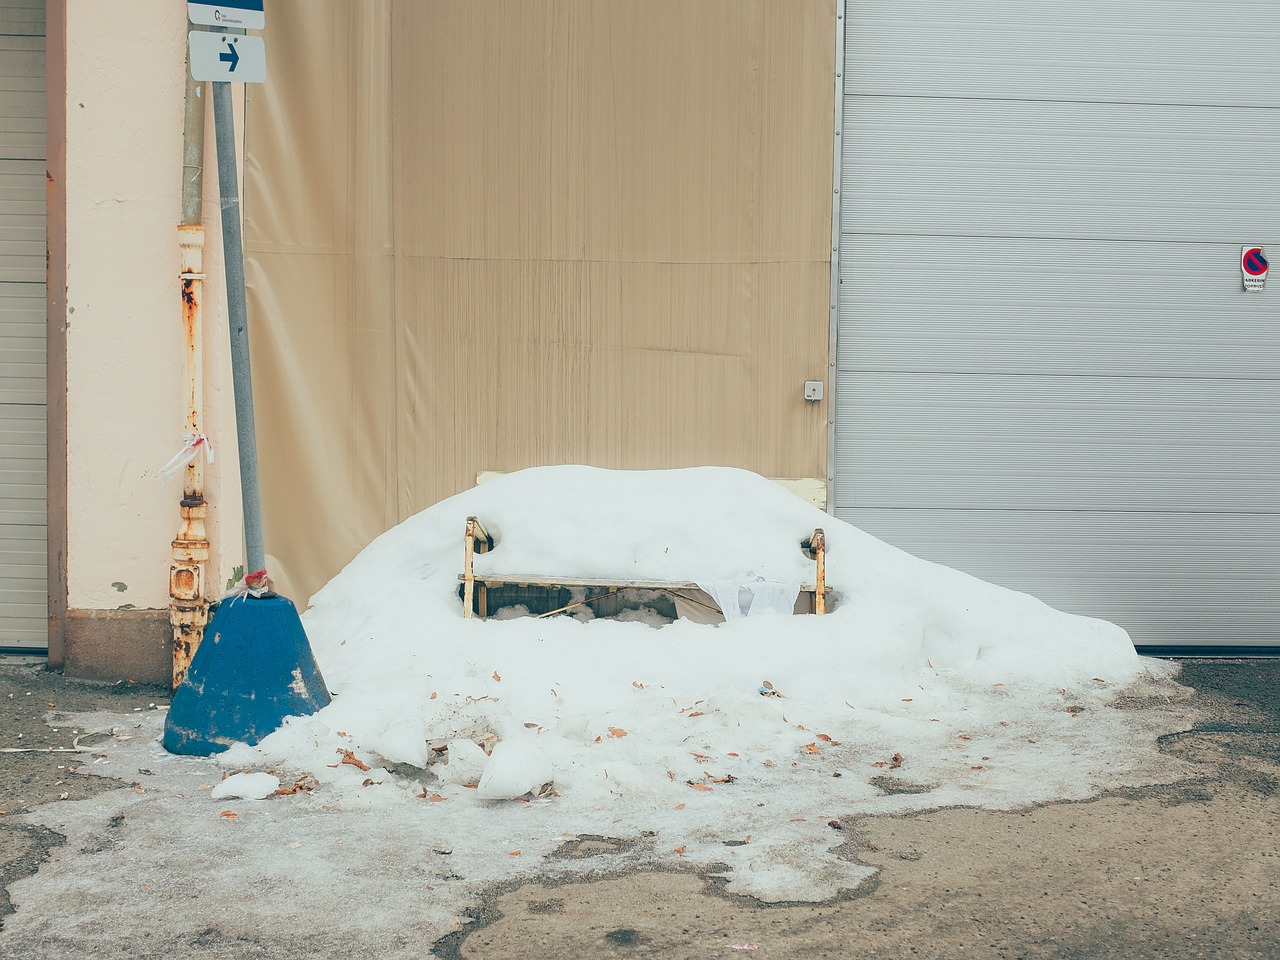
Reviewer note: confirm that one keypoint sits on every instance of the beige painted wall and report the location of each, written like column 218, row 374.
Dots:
column 491, row 235
column 125, row 68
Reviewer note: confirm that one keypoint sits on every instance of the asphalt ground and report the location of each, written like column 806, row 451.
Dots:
column 1182, row 870
column 31, row 700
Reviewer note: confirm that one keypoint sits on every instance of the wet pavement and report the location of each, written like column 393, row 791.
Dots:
column 1186, row 870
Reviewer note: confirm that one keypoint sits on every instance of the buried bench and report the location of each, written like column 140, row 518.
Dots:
column 475, row 587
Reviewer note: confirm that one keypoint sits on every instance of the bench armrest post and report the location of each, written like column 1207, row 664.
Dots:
column 818, row 547
column 476, row 537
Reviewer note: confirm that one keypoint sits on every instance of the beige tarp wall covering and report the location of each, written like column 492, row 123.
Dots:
column 486, row 235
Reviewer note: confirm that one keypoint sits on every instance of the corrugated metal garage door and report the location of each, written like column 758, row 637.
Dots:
column 1048, row 372
column 23, row 527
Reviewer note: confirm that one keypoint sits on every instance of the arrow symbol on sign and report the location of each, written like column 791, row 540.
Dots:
column 231, row 57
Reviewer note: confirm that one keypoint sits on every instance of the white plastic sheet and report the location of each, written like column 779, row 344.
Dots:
column 752, row 596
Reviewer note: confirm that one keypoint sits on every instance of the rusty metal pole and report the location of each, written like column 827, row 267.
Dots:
column 188, row 570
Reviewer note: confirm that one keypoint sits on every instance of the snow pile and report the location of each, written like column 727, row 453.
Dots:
column 736, row 744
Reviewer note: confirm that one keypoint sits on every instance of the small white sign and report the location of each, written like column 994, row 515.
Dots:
column 245, row 14
column 226, row 58
column 1253, row 267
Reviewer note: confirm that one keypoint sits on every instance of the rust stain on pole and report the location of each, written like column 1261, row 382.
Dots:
column 188, row 603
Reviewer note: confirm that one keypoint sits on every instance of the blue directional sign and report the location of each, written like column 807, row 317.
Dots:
column 226, row 58
column 245, row 14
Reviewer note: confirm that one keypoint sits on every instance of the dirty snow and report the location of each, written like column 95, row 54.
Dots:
column 742, row 748
column 246, row 786
column 764, row 727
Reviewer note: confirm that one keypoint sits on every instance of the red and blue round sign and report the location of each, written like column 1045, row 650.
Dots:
column 1254, row 262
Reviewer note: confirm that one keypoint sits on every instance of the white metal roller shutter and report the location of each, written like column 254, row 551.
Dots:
column 1048, row 372
column 23, row 520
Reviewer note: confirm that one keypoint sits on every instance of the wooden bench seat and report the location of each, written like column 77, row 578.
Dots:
column 475, row 587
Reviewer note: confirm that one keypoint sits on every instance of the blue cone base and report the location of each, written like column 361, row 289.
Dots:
column 253, row 668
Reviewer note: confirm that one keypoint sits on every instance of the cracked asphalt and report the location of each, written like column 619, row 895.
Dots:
column 1183, row 870
column 49, row 769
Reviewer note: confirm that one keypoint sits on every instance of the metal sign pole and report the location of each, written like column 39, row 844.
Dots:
column 260, row 668
column 233, row 256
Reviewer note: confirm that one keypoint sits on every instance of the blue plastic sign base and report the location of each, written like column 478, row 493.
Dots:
column 253, row 668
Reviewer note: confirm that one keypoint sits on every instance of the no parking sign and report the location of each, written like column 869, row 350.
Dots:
column 1253, row 267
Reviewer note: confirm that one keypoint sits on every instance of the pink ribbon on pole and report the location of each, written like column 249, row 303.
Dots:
column 250, row 585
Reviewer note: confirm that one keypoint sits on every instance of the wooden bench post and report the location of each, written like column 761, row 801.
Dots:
column 818, row 547
column 477, row 540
